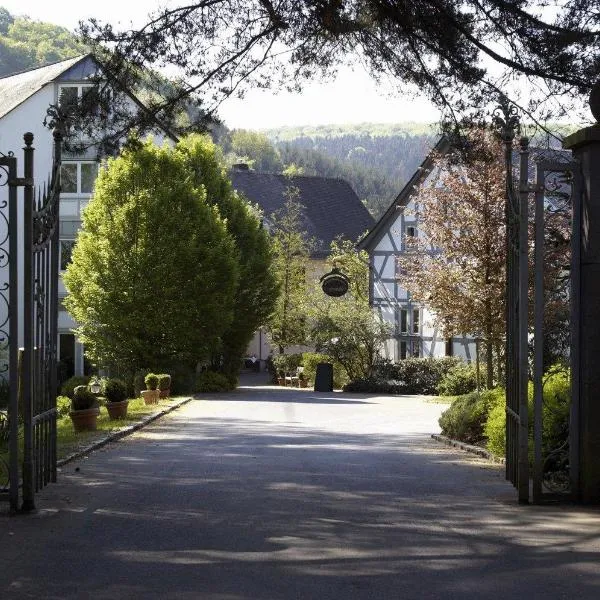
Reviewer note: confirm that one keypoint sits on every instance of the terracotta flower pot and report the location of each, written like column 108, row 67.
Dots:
column 303, row 383
column 85, row 420
column 150, row 396
column 281, row 380
column 117, row 410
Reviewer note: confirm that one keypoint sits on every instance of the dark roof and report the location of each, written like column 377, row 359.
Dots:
column 15, row 89
column 331, row 207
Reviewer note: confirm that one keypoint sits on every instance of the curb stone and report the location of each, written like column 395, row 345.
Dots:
column 121, row 433
column 467, row 448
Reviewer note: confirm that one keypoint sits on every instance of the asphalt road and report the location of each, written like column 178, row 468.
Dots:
column 268, row 494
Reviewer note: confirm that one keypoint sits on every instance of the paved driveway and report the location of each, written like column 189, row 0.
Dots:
column 279, row 494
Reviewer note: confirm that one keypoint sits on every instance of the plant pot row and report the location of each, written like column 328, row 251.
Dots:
column 86, row 419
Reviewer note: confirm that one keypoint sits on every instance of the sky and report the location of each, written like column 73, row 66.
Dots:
column 352, row 97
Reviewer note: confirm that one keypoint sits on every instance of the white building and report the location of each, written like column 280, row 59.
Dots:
column 24, row 101
column 414, row 330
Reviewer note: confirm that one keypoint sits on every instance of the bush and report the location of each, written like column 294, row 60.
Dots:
column 4, row 393
column 164, row 381
column 183, row 378
column 495, row 426
column 151, row 381
column 459, row 380
column 287, row 363
column 68, row 387
column 211, row 381
column 408, row 376
column 63, row 406
column 83, row 398
column 138, row 381
column 466, row 418
column 115, row 390
column 310, row 360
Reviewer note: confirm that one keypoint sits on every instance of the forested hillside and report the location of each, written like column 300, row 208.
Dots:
column 25, row 44
column 377, row 162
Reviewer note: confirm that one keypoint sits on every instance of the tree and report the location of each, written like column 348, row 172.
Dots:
column 461, row 54
column 346, row 328
column 26, row 44
column 153, row 272
column 456, row 265
column 256, row 149
column 256, row 288
column 291, row 252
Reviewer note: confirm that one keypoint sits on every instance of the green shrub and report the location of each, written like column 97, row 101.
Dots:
column 115, row 390
column 408, row 376
column 459, row 380
column 138, row 381
column 151, row 381
column 63, row 406
column 466, row 418
column 211, row 381
column 4, row 393
column 287, row 363
column 164, row 381
column 555, row 414
column 68, row 387
column 183, row 378
column 495, row 426
column 83, row 398
column 310, row 360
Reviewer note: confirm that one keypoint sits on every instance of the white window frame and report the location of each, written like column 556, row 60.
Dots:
column 78, row 163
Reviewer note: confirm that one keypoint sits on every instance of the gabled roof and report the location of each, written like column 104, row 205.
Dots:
column 403, row 198
column 15, row 89
column 331, row 207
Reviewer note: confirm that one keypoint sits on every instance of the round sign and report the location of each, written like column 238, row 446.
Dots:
column 334, row 283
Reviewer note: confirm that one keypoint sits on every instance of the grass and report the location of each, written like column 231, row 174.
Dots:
column 69, row 442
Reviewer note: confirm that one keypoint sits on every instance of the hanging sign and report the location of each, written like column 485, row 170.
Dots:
column 334, row 283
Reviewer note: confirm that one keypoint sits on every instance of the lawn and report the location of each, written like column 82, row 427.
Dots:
column 69, row 442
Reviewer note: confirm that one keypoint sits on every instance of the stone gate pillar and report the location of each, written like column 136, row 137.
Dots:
column 585, row 145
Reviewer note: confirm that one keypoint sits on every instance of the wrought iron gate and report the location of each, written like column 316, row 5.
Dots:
column 554, row 470
column 32, row 370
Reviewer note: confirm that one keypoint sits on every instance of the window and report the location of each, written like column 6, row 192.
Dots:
column 66, row 250
column 411, row 231
column 78, row 177
column 400, row 270
column 415, row 348
column 403, row 320
column 403, row 346
column 74, row 94
column 415, row 320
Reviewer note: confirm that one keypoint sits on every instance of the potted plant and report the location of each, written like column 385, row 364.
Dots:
column 151, row 393
column 302, row 381
column 84, row 409
column 115, row 392
column 164, row 385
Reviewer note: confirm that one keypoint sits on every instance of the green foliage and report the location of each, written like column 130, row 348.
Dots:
column 495, row 426
column 466, row 418
column 211, row 381
column 63, row 406
column 4, row 391
column 25, row 44
column 83, row 398
column 151, row 381
column 139, row 382
column 416, row 375
column 555, row 414
column 183, row 378
column 146, row 220
column 256, row 286
column 459, row 380
column 255, row 149
column 68, row 387
column 287, row 363
column 164, row 381
column 115, row 390
column 291, row 250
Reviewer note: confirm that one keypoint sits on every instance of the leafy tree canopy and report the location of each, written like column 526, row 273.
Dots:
column 153, row 272
column 256, row 289
column 461, row 54
column 25, row 44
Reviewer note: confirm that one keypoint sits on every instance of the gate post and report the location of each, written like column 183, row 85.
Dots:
column 585, row 145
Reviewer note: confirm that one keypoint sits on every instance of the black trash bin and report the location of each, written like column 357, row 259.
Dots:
column 324, row 378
